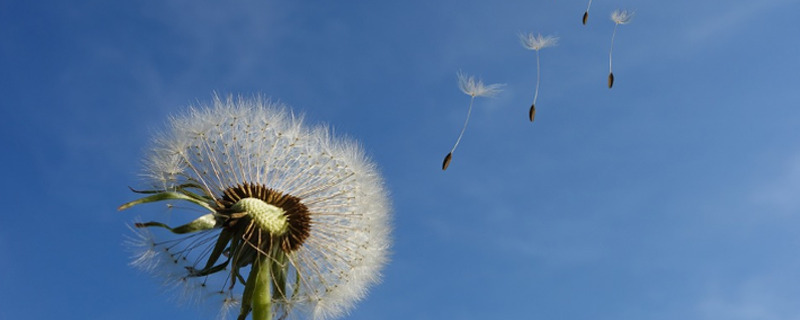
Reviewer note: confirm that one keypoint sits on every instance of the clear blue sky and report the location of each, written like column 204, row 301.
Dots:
column 673, row 195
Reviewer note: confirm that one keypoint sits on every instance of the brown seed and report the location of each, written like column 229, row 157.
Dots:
column 585, row 16
column 446, row 162
column 610, row 79
column 532, row 112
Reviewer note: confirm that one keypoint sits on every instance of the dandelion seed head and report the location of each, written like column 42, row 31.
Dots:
column 622, row 16
column 476, row 88
column 322, row 194
column 538, row 41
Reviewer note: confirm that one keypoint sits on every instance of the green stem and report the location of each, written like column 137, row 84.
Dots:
column 262, row 289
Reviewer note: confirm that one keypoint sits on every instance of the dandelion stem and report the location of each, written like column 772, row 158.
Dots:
column 262, row 288
column 612, row 46
column 586, row 13
column 536, row 93
column 610, row 51
column 469, row 111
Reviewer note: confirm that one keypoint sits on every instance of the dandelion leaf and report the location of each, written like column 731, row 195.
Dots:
column 247, row 295
column 167, row 195
column 205, row 222
column 207, row 271
column 219, row 247
column 279, row 272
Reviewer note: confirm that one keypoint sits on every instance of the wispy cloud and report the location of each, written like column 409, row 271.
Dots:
column 755, row 298
column 728, row 20
column 780, row 193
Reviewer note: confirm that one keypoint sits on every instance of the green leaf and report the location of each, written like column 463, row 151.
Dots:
column 206, row 271
column 180, row 187
column 247, row 295
column 167, row 195
column 296, row 287
column 205, row 222
column 222, row 243
column 279, row 275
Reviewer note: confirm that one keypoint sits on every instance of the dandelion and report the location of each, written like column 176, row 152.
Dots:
column 536, row 43
column 473, row 88
column 293, row 221
column 619, row 17
column 586, row 13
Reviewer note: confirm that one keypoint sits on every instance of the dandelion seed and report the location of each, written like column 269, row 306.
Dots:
column 619, row 17
column 476, row 88
column 447, row 159
column 473, row 88
column 610, row 79
column 536, row 43
column 296, row 222
column 586, row 13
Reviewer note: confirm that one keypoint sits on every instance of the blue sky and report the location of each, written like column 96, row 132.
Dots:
column 671, row 196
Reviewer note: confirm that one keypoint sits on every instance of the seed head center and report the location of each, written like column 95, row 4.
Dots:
column 266, row 216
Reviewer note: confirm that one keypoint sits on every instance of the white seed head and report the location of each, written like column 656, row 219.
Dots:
column 476, row 88
column 621, row 16
column 538, row 41
column 236, row 141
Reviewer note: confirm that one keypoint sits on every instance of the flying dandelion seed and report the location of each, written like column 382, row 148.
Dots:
column 295, row 223
column 536, row 43
column 619, row 17
column 586, row 13
column 473, row 88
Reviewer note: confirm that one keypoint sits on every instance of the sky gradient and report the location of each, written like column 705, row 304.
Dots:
column 673, row 195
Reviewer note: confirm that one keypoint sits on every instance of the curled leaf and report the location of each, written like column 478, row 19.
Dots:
column 204, row 222
column 169, row 195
